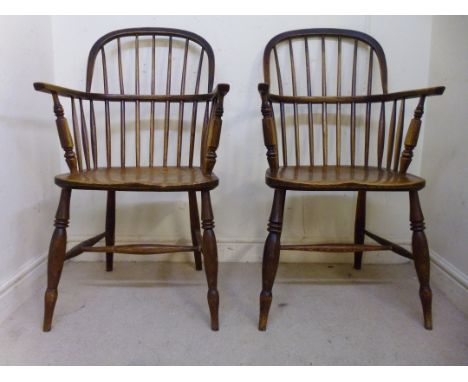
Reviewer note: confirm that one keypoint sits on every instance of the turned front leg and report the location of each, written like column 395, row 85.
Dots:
column 56, row 259
column 271, row 256
column 210, row 257
column 421, row 257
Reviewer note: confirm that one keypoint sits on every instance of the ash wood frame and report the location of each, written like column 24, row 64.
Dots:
column 201, row 244
column 400, row 156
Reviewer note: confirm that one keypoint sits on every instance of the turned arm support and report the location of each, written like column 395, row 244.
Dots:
column 412, row 136
column 213, row 132
column 64, row 134
column 269, row 128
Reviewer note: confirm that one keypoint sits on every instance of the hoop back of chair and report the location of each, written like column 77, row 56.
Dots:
column 331, row 63
column 136, row 62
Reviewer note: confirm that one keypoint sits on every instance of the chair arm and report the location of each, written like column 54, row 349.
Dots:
column 59, row 90
column 221, row 90
column 210, row 140
column 439, row 90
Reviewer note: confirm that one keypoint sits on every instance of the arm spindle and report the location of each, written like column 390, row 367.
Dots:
column 92, row 118
column 399, row 137
column 84, row 135
column 391, row 135
column 381, row 135
column 76, row 134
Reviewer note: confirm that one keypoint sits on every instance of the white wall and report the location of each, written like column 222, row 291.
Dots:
column 242, row 201
column 55, row 49
column 445, row 157
column 28, row 157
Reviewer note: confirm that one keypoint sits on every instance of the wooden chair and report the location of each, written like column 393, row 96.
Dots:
column 145, row 118
column 335, row 143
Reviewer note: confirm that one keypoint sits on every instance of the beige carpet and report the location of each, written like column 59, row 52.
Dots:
column 156, row 314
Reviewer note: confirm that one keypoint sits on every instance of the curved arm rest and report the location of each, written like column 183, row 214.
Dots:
column 54, row 89
column 220, row 90
column 263, row 88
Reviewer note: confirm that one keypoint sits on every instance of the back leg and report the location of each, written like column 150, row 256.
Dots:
column 56, row 259
column 110, row 229
column 421, row 257
column 359, row 226
column 195, row 229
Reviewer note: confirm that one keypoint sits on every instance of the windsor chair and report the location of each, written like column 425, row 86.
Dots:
column 307, row 114
column 131, row 98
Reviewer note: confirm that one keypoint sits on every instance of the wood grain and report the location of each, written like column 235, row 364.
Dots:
column 140, row 179
column 332, row 178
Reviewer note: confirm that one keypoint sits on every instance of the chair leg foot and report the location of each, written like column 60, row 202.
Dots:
column 359, row 226
column 210, row 257
column 56, row 258
column 426, row 300
column 357, row 260
column 421, row 257
column 265, row 303
column 109, row 262
column 213, row 303
column 50, row 298
column 271, row 254
column 195, row 229
column 198, row 263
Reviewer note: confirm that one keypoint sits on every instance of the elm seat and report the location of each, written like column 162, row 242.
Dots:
column 140, row 179
column 328, row 178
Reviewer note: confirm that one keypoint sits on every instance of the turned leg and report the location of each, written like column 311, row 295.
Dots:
column 210, row 258
column 110, row 229
column 359, row 226
column 421, row 257
column 195, row 229
column 271, row 253
column 57, row 251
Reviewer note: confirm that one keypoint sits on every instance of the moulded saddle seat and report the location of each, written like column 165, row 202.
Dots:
column 328, row 178
column 139, row 179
